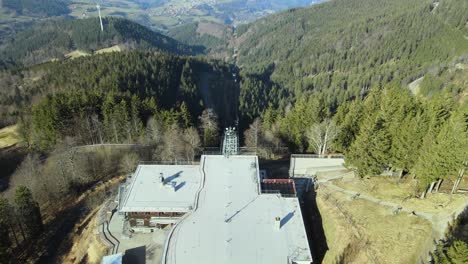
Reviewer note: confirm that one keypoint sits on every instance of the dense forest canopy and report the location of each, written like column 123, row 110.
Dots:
column 54, row 38
column 144, row 82
column 344, row 47
column 383, row 82
column 37, row 7
column 213, row 36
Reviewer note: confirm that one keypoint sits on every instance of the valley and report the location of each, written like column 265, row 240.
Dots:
column 164, row 15
column 157, row 15
column 380, row 85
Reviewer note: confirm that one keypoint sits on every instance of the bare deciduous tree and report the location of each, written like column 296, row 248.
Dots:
column 321, row 135
column 172, row 145
column 129, row 162
column 193, row 143
column 28, row 174
column 252, row 133
column 265, row 140
column 154, row 131
column 97, row 127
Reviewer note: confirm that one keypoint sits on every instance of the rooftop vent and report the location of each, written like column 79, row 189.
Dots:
column 161, row 179
column 277, row 223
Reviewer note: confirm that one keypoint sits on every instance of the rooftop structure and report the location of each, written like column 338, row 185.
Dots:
column 230, row 142
column 285, row 187
column 235, row 223
column 160, row 194
column 162, row 187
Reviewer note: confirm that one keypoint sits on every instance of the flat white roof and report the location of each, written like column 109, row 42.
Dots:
column 145, row 193
column 234, row 223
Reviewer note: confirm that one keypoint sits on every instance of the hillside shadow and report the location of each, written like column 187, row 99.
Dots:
column 315, row 232
column 56, row 240
column 10, row 159
column 135, row 255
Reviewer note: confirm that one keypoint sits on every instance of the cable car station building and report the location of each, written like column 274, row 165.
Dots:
column 218, row 211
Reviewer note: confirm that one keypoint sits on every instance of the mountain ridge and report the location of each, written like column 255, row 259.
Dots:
column 55, row 38
column 344, row 48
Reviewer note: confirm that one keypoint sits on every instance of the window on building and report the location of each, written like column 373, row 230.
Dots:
column 140, row 222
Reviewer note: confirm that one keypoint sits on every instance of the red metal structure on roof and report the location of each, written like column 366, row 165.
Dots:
column 285, row 187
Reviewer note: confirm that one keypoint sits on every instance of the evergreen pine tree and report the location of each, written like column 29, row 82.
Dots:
column 442, row 155
column 184, row 116
column 28, row 211
column 370, row 152
column 5, row 241
column 457, row 253
column 348, row 118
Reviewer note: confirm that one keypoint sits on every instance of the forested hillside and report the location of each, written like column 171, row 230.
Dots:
column 37, row 7
column 127, row 87
column 383, row 82
column 344, row 47
column 334, row 78
column 53, row 39
column 213, row 36
column 126, row 106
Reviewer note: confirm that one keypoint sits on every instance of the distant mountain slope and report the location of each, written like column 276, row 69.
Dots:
column 168, row 79
column 37, row 7
column 213, row 36
column 54, row 38
column 344, row 47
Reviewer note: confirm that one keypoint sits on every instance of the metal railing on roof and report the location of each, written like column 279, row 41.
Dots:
column 242, row 151
column 169, row 162
column 211, row 151
column 315, row 156
column 279, row 193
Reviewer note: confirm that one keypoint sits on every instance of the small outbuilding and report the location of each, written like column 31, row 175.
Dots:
column 158, row 195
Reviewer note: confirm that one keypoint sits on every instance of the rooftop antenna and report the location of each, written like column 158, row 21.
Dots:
column 100, row 18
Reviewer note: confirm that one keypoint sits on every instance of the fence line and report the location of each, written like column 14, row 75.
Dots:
column 166, row 162
column 316, row 156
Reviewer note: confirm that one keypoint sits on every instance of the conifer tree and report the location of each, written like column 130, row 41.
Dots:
column 210, row 127
column 442, row 155
column 28, row 211
column 370, row 152
column 406, row 142
column 136, row 123
column 457, row 253
column 5, row 240
column 348, row 119
column 185, row 118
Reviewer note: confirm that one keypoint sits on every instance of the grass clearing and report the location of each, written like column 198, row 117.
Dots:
column 76, row 54
column 115, row 48
column 359, row 231
column 390, row 190
column 337, row 231
column 415, row 86
column 9, row 136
